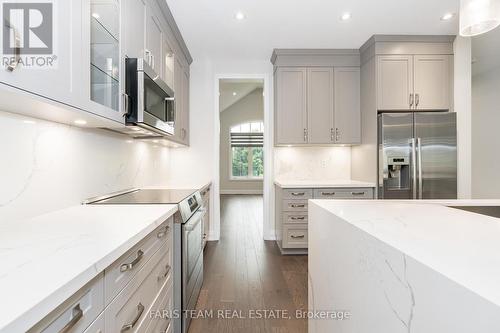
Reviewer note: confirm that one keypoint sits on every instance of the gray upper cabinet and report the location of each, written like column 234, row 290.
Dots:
column 181, row 87
column 291, row 117
column 320, row 114
column 347, row 119
column 414, row 82
column 395, row 82
column 432, row 81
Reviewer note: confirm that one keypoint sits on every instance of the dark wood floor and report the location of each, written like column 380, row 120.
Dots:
column 244, row 273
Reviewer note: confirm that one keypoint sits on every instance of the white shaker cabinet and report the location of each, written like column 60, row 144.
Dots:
column 154, row 38
column 395, row 82
column 320, row 108
column 432, row 82
column 60, row 81
column 291, row 117
column 347, row 119
column 133, row 15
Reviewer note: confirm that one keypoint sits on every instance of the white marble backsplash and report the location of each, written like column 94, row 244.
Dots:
column 312, row 163
column 47, row 166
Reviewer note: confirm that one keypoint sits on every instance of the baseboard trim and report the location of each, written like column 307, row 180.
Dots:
column 241, row 192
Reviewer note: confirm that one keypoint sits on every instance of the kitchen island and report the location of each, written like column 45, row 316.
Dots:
column 404, row 266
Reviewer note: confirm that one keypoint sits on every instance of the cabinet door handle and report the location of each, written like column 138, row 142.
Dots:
column 305, row 134
column 126, row 104
column 297, row 218
column 77, row 315
column 163, row 232
column 337, row 134
column 297, row 237
column 131, row 265
column 411, row 100
column 164, row 275
column 297, row 206
column 332, row 137
column 17, row 51
column 328, row 193
column 298, row 194
column 417, row 99
column 165, row 330
column 358, row 193
column 140, row 310
column 183, row 133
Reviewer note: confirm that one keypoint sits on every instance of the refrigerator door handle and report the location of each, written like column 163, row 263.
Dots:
column 419, row 145
column 414, row 167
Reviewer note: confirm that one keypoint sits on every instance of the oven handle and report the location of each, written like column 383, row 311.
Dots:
column 193, row 221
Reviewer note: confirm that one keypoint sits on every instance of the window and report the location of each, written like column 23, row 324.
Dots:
column 247, row 151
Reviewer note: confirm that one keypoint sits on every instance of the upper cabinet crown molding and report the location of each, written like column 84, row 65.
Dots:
column 406, row 45
column 315, row 58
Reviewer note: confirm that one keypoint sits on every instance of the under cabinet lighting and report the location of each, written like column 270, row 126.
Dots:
column 234, row 93
column 80, row 122
column 29, row 121
column 447, row 16
column 95, row 15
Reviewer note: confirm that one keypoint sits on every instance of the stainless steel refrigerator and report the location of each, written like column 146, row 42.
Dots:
column 417, row 156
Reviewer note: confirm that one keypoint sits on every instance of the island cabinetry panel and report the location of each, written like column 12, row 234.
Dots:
column 291, row 212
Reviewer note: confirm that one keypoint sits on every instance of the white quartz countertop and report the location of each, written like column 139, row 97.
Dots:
column 462, row 246
column 44, row 260
column 184, row 186
column 287, row 183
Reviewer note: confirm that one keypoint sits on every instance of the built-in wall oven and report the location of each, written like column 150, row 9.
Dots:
column 149, row 101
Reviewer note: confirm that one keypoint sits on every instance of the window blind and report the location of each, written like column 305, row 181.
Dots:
column 247, row 139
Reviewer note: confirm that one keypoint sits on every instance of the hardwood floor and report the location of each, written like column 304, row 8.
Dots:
column 244, row 273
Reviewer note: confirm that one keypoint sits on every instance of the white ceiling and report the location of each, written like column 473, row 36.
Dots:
column 486, row 52
column 210, row 29
column 242, row 87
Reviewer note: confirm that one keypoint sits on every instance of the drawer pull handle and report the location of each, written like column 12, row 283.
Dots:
column 298, row 194
column 295, row 218
column 164, row 275
column 297, row 206
column 298, row 237
column 77, row 315
column 129, row 266
column 140, row 310
column 327, row 193
column 358, row 193
column 163, row 232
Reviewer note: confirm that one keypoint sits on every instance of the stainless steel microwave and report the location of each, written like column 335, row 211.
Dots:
column 149, row 101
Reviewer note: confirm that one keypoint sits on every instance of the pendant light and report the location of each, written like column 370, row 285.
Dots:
column 478, row 16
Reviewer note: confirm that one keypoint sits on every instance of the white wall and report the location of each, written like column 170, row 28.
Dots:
column 312, row 163
column 47, row 166
column 485, row 143
column 248, row 109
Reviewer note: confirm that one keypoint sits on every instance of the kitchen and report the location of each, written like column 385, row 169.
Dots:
column 127, row 115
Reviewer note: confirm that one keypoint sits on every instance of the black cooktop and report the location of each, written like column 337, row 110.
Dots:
column 148, row 196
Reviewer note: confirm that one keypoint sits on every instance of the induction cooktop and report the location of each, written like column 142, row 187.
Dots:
column 146, row 197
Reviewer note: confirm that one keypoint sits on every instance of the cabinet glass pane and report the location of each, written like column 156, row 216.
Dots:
column 105, row 52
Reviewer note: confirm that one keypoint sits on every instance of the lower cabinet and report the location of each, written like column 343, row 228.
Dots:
column 292, row 213
column 140, row 301
column 205, row 195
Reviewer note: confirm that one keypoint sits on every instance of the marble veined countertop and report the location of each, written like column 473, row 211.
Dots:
column 462, row 246
column 44, row 260
column 290, row 183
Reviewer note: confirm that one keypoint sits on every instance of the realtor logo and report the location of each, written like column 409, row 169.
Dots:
column 28, row 28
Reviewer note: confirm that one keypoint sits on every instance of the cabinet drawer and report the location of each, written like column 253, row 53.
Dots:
column 343, row 193
column 295, row 205
column 97, row 326
column 302, row 193
column 78, row 312
column 295, row 236
column 131, row 307
column 124, row 269
column 294, row 218
column 160, row 311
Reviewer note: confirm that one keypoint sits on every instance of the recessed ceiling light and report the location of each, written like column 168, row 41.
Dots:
column 95, row 15
column 129, row 141
column 346, row 16
column 234, row 93
column 239, row 16
column 80, row 122
column 447, row 16
column 155, row 141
